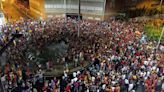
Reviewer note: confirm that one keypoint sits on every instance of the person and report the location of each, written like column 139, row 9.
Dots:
column 127, row 84
column 112, row 45
column 162, row 87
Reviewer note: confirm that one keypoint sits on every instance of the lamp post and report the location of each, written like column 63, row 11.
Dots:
column 79, row 11
column 161, row 7
column 65, row 9
column 160, row 38
column 162, row 29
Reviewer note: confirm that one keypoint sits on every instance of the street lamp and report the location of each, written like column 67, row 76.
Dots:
column 79, row 10
column 160, row 38
column 161, row 6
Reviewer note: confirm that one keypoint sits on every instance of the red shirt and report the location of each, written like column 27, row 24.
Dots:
column 68, row 87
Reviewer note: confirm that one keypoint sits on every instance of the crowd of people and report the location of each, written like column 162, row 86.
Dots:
column 121, row 61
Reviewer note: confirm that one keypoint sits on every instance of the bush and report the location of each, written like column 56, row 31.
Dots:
column 153, row 33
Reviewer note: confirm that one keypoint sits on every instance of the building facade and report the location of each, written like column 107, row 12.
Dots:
column 90, row 9
column 36, row 8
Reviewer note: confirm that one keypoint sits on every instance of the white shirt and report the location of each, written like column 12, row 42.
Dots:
column 75, row 79
column 93, row 79
column 162, row 86
column 162, row 48
column 113, row 88
column 113, row 82
column 157, row 70
column 144, row 74
column 126, row 81
column 87, row 90
column 78, row 72
column 3, row 78
column 65, row 74
column 98, row 90
column 123, row 76
column 103, row 86
column 146, row 62
column 72, row 81
column 154, row 68
column 130, row 87
column 148, row 73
